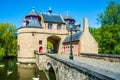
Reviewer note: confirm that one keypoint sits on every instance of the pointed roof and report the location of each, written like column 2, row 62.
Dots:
column 68, row 17
column 33, row 13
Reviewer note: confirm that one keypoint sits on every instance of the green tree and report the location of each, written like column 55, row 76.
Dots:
column 50, row 46
column 109, row 41
column 8, row 40
column 111, row 15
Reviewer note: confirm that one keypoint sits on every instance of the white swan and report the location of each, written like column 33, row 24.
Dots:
column 2, row 65
column 36, row 78
column 9, row 72
column 29, row 65
column 17, row 63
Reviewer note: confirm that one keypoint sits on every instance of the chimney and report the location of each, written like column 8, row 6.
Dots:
column 85, row 24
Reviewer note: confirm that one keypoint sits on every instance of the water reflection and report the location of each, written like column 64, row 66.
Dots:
column 26, row 72
column 10, row 69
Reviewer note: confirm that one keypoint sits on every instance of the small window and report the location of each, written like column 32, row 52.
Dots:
column 58, row 26
column 49, row 26
column 68, row 47
column 67, row 21
column 40, row 42
column 34, row 18
column 28, row 18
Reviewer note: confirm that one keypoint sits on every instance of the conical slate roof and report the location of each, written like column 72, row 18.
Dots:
column 34, row 23
column 68, row 17
column 33, row 13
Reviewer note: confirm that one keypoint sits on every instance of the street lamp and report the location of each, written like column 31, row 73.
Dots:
column 71, row 54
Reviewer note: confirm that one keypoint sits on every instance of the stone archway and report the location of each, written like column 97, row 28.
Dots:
column 52, row 71
column 55, row 40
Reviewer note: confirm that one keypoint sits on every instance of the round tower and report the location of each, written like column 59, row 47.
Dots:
column 26, row 37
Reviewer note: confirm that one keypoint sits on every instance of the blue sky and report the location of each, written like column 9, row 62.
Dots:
column 14, row 11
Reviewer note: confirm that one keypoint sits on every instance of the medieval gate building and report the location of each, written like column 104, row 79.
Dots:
column 37, row 30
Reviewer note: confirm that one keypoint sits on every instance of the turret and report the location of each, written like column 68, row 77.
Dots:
column 68, row 19
column 33, row 15
column 32, row 19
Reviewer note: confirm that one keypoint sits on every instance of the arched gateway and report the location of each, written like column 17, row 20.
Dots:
column 38, row 30
column 55, row 40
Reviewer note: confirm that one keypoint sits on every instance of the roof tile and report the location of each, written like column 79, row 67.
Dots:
column 52, row 18
column 75, row 37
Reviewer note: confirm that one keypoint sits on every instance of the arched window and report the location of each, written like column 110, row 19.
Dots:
column 49, row 26
column 40, row 49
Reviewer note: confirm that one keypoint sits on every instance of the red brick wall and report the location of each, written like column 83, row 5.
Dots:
column 75, row 48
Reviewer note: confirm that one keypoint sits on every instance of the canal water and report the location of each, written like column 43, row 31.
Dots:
column 10, row 69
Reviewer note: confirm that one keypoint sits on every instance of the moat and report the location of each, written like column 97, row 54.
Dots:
column 10, row 69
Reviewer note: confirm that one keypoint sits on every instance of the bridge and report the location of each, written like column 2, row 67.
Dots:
column 81, row 68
